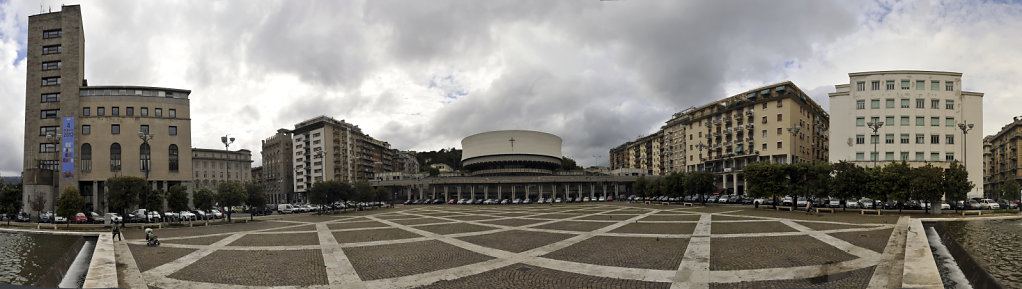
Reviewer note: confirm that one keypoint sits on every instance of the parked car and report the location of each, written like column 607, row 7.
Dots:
column 171, row 216
column 186, row 216
column 834, row 203
column 974, row 205
column 22, row 217
column 46, row 217
column 786, row 201
column 851, row 204
column 59, row 219
column 80, row 218
column 989, row 204
column 527, row 201
column 94, row 218
column 867, row 203
column 945, row 206
column 801, row 202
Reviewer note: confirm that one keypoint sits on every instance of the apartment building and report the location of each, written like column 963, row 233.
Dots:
column 645, row 153
column 919, row 117
column 324, row 148
column 1001, row 154
column 278, row 172
column 78, row 135
column 215, row 166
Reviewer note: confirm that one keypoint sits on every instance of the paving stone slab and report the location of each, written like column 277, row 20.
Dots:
column 633, row 252
column 207, row 240
column 875, row 240
column 514, row 222
column 526, row 276
column 852, row 280
column 355, row 225
column 151, row 257
column 742, row 253
column 656, row 228
column 829, row 226
column 750, row 227
column 447, row 229
column 258, row 268
column 373, row 235
column 575, row 226
column 516, row 241
column 292, row 239
column 403, row 259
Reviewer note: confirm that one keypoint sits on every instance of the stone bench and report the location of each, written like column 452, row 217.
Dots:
column 975, row 212
column 789, row 208
column 688, row 204
column 665, row 203
column 818, row 210
column 864, row 211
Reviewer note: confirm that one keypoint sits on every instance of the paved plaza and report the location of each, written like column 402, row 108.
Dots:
column 595, row 245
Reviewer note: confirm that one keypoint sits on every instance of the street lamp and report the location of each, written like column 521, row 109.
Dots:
column 701, row 145
column 875, row 126
column 965, row 127
column 794, row 132
column 145, row 136
column 227, row 148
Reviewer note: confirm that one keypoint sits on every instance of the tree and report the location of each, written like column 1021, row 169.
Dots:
column 568, row 164
column 848, row 179
column 874, row 186
column 177, row 198
column 37, row 204
column 123, row 192
column 818, row 179
column 1010, row 190
column 640, row 187
column 700, row 183
column 230, row 194
column 10, row 200
column 896, row 180
column 363, row 191
column 927, row 184
column 674, row 184
column 70, row 203
column 256, row 199
column 203, row 199
column 796, row 180
column 956, row 182
column 765, row 180
column 151, row 199
column 382, row 194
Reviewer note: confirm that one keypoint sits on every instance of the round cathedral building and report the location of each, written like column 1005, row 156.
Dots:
column 511, row 153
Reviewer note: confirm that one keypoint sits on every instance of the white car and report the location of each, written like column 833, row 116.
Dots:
column 171, row 216
column 851, row 204
column 114, row 217
column 866, row 203
column 801, row 202
column 989, row 204
column 216, row 214
column 834, row 203
column 186, row 216
column 59, row 219
column 945, row 206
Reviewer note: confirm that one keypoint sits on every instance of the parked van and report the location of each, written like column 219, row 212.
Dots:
column 285, row 209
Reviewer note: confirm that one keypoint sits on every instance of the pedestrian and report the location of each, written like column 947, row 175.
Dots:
column 809, row 207
column 117, row 231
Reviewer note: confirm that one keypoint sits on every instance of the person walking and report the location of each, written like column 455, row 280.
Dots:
column 117, row 231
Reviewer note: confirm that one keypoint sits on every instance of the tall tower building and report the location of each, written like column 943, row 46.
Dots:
column 328, row 149
column 79, row 136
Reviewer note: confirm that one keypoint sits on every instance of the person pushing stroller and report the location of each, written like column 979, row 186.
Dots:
column 150, row 237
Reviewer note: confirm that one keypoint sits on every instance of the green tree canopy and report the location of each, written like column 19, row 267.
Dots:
column 203, row 199
column 151, row 199
column 70, row 203
column 848, row 180
column 569, row 164
column 764, row 179
column 700, row 183
column 230, row 194
column 796, row 179
column 1010, row 190
column 123, row 192
column 956, row 182
column 895, row 180
column 674, row 184
column 819, row 179
column 640, row 187
column 177, row 198
column 927, row 183
column 363, row 191
column 874, row 188
column 10, row 199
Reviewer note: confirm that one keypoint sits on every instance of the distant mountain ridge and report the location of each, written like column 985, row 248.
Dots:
column 12, row 180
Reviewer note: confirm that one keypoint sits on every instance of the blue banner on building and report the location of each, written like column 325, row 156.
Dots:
column 67, row 149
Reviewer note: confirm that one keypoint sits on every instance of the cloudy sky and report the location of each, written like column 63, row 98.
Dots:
column 424, row 74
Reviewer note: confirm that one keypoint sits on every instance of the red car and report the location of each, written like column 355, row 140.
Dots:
column 452, row 201
column 80, row 218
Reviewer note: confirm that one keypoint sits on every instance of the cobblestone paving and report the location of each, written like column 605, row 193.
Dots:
column 771, row 252
column 194, row 241
column 656, row 228
column 355, row 225
column 150, row 257
column 386, row 261
column 372, row 235
column 575, row 226
column 607, row 217
column 470, row 218
column 874, row 240
column 633, row 252
column 216, row 228
column 516, row 241
column 258, row 268
column 420, row 221
column 447, row 229
column 750, row 227
column 525, row 276
column 671, row 218
column 295, row 228
column 292, row 239
column 731, row 218
column 829, row 226
column 847, row 280
column 514, row 222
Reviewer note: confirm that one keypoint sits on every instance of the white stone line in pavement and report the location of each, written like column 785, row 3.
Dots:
column 835, row 242
column 801, row 272
column 889, row 262
column 641, row 274
column 694, row 270
column 384, row 242
column 435, row 276
column 797, row 233
column 132, row 275
column 178, row 264
column 338, row 268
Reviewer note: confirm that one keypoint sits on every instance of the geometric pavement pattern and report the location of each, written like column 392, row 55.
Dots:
column 596, row 245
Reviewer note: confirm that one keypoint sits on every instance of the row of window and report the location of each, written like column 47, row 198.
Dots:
column 52, row 33
column 135, row 92
column 906, row 85
column 128, row 111
column 919, row 156
column 920, row 139
column 144, row 157
column 51, row 49
column 905, row 103
column 205, row 175
column 905, row 121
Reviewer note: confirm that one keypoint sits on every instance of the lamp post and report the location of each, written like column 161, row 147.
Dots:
column 965, row 127
column 227, row 149
column 145, row 136
column 701, row 145
column 794, row 132
column 875, row 126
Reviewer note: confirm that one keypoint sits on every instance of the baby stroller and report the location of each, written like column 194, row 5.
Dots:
column 151, row 239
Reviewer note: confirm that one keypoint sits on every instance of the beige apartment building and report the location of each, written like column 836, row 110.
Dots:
column 774, row 123
column 922, row 115
column 277, row 176
column 1001, row 156
column 215, row 166
column 78, row 135
column 324, row 148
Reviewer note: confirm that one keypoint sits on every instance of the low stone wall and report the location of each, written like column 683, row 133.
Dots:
column 920, row 267
column 102, row 268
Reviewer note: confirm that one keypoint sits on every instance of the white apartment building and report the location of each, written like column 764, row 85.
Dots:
column 921, row 112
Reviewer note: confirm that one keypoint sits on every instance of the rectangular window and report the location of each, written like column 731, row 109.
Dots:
column 935, row 139
column 949, row 139
column 51, row 65
column 48, row 81
column 904, row 156
column 779, row 145
column 85, row 111
column 889, row 138
column 920, row 103
column 49, row 113
column 172, row 130
column 115, row 111
column 780, row 103
column 905, row 121
column 904, row 84
column 48, row 130
column 144, row 129
column 764, row 133
column 159, row 112
column 47, row 147
column 172, row 113
column 889, row 156
column 145, row 111
column 873, row 156
column 935, row 121
column 860, row 139
column 920, row 138
column 949, row 104
column 860, row 86
column 876, row 85
column 860, row 156
column 950, row 121
column 920, row 121
column 889, row 121
column 890, row 85
column 52, row 33
column 949, row 157
column 875, row 103
column 86, row 129
column 874, row 119
column 129, row 111
column 860, row 121
column 905, row 103
column 949, row 86
column 100, row 111
column 50, row 97
column 874, row 139
column 934, row 85
column 779, row 131
column 51, row 49
column 860, row 104
column 919, row 156
column 935, row 103
column 779, row 117
column 889, row 103
column 920, row 84
column 115, row 129
column 904, row 138
column 935, row 157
